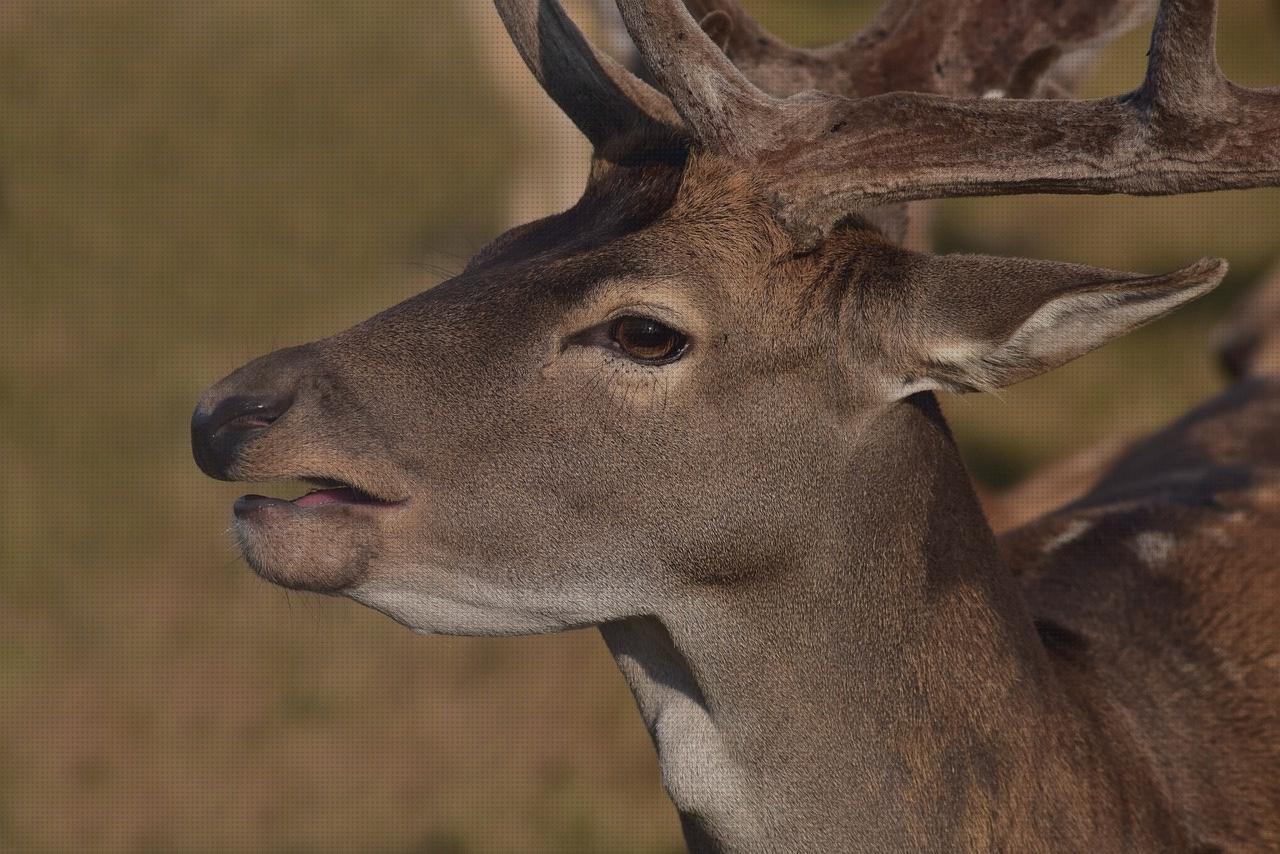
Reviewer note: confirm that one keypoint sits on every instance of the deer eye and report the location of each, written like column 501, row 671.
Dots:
column 647, row 340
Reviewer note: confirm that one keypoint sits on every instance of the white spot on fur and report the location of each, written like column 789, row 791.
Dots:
column 1153, row 548
column 993, row 94
column 1230, row 668
column 1075, row 529
column 1220, row 537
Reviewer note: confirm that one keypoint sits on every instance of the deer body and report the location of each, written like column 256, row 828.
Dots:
column 1085, row 709
column 696, row 410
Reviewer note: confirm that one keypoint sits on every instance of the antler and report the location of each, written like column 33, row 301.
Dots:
column 726, row 112
column 1013, row 48
column 1186, row 129
column 602, row 98
column 944, row 47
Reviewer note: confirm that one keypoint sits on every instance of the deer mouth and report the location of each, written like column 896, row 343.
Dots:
column 329, row 494
column 322, row 541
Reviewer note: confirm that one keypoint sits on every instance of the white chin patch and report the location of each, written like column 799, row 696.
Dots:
column 480, row 609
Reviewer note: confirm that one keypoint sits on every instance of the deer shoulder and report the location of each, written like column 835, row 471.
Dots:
column 1157, row 590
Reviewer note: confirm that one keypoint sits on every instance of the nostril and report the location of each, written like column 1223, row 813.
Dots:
column 218, row 433
column 240, row 414
column 249, row 421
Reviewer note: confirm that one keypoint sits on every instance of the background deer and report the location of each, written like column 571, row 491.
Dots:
column 696, row 410
column 1249, row 342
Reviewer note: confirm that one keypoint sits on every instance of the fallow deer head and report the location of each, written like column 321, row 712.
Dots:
column 649, row 391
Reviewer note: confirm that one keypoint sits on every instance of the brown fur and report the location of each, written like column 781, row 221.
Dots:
column 1159, row 588
column 775, row 532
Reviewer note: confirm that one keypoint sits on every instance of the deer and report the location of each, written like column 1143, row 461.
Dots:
column 1247, row 344
column 699, row 411
column 1249, row 341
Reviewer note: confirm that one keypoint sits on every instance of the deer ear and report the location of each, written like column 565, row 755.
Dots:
column 981, row 323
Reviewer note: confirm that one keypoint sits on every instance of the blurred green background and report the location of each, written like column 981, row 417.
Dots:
column 185, row 185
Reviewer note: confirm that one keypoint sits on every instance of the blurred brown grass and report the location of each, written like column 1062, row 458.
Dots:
column 184, row 185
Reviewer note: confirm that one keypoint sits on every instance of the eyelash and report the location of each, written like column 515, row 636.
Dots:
column 667, row 343
column 606, row 336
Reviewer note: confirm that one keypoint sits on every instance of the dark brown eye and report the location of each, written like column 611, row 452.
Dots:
column 647, row 340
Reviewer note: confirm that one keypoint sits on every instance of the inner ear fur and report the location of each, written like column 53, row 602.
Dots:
column 978, row 323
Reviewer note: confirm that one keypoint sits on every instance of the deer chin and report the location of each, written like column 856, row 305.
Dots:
column 322, row 541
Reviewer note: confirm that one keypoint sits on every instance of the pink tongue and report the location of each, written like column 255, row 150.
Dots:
column 328, row 496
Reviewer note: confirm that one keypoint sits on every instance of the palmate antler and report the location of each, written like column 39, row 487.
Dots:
column 963, row 48
column 944, row 47
column 825, row 156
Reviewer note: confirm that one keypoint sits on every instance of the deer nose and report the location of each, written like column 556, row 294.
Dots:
column 218, row 433
column 243, row 405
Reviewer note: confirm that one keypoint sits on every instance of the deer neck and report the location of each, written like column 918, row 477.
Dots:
column 883, row 690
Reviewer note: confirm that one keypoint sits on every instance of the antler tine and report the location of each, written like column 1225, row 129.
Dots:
column 601, row 97
column 771, row 64
column 1186, row 130
column 743, row 37
column 727, row 113
column 1182, row 67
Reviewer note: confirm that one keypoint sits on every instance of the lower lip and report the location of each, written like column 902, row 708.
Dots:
column 247, row 505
